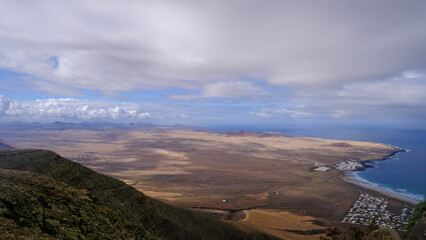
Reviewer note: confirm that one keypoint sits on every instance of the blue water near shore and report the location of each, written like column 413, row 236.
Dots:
column 403, row 174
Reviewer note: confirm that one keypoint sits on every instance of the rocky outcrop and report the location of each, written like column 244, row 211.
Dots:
column 384, row 234
column 419, row 230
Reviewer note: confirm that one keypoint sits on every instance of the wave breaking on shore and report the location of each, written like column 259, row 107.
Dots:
column 395, row 191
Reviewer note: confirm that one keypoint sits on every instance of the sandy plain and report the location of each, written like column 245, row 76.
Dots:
column 264, row 182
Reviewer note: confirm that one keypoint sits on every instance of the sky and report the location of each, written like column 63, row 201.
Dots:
column 214, row 62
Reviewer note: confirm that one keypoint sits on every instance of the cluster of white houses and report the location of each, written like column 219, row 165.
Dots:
column 367, row 207
column 343, row 166
column 349, row 166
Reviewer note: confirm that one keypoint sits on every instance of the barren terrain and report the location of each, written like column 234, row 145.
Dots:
column 253, row 179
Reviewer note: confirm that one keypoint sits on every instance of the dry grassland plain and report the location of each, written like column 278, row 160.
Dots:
column 264, row 182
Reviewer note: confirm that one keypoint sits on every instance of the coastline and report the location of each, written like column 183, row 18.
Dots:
column 367, row 164
column 377, row 190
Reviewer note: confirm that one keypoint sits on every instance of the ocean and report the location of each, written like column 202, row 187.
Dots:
column 403, row 174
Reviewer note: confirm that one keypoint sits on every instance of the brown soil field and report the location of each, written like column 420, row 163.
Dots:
column 270, row 177
column 284, row 224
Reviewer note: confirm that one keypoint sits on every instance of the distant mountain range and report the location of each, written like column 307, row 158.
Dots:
column 44, row 196
column 100, row 126
column 4, row 145
column 245, row 133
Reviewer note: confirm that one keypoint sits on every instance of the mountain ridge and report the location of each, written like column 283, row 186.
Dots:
column 4, row 145
column 160, row 220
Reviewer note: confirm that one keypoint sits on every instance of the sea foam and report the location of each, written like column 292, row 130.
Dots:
column 398, row 191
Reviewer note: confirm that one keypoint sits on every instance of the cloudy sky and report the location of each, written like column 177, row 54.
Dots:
column 214, row 62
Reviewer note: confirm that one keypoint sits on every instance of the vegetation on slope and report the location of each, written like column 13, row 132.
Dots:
column 416, row 229
column 44, row 205
column 72, row 199
column 418, row 212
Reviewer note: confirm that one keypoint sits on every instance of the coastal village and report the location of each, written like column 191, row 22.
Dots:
column 367, row 207
column 343, row 166
column 349, row 166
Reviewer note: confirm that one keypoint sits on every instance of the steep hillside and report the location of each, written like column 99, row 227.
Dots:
column 56, row 190
column 4, row 146
column 59, row 210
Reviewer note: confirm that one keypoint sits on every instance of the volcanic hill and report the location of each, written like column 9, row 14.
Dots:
column 45, row 196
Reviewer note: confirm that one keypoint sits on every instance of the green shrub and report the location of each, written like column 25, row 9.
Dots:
column 418, row 212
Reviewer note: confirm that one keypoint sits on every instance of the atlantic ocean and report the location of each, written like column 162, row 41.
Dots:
column 403, row 174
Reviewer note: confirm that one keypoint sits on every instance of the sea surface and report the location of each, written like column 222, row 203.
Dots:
column 403, row 174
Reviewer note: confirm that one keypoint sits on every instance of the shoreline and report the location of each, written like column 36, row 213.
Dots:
column 367, row 164
column 345, row 178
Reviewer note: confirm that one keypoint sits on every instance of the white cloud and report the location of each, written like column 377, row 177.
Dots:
column 396, row 97
column 337, row 59
column 114, row 46
column 4, row 105
column 411, row 74
column 236, row 89
column 399, row 97
column 395, row 92
column 71, row 109
column 269, row 113
column 184, row 116
column 232, row 90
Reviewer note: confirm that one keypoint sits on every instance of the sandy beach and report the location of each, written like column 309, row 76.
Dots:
column 378, row 190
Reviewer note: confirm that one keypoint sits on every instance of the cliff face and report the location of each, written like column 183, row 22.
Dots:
column 48, row 196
